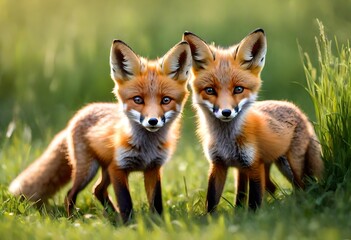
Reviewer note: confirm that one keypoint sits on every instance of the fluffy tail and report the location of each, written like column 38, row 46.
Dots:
column 314, row 165
column 45, row 176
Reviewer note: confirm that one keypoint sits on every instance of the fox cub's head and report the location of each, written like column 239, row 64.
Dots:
column 153, row 93
column 226, row 80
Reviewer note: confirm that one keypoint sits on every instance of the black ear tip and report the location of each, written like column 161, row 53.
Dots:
column 259, row 30
column 117, row 41
column 187, row 33
column 183, row 43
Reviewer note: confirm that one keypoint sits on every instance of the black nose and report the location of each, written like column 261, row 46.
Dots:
column 153, row 121
column 226, row 112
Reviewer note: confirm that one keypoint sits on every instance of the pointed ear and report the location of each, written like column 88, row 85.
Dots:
column 176, row 63
column 201, row 52
column 124, row 63
column 251, row 51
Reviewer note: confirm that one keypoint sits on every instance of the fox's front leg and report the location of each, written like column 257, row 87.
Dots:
column 119, row 179
column 241, row 195
column 152, row 181
column 256, row 187
column 216, row 181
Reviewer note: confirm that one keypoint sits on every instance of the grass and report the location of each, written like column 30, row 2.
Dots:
column 56, row 60
column 330, row 88
column 321, row 212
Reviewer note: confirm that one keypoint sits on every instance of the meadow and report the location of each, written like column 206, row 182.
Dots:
column 54, row 60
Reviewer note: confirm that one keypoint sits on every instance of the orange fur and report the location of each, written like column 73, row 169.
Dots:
column 137, row 134
column 151, row 178
column 239, row 132
column 216, row 180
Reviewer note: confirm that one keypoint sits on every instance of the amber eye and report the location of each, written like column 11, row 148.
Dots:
column 138, row 100
column 210, row 91
column 166, row 100
column 238, row 90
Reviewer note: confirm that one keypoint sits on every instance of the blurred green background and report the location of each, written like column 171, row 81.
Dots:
column 54, row 54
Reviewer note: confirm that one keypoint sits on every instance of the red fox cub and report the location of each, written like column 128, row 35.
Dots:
column 237, row 132
column 137, row 134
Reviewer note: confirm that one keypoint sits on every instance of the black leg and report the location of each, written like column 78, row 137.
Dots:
column 124, row 202
column 152, row 182
column 255, row 194
column 241, row 196
column 216, row 181
column 158, row 198
column 119, row 179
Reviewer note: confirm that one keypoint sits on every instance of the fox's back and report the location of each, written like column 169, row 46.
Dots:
column 286, row 124
column 96, row 118
column 286, row 114
column 96, row 112
column 282, row 111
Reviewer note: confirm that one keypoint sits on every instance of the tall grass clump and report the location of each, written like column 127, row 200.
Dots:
column 329, row 86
